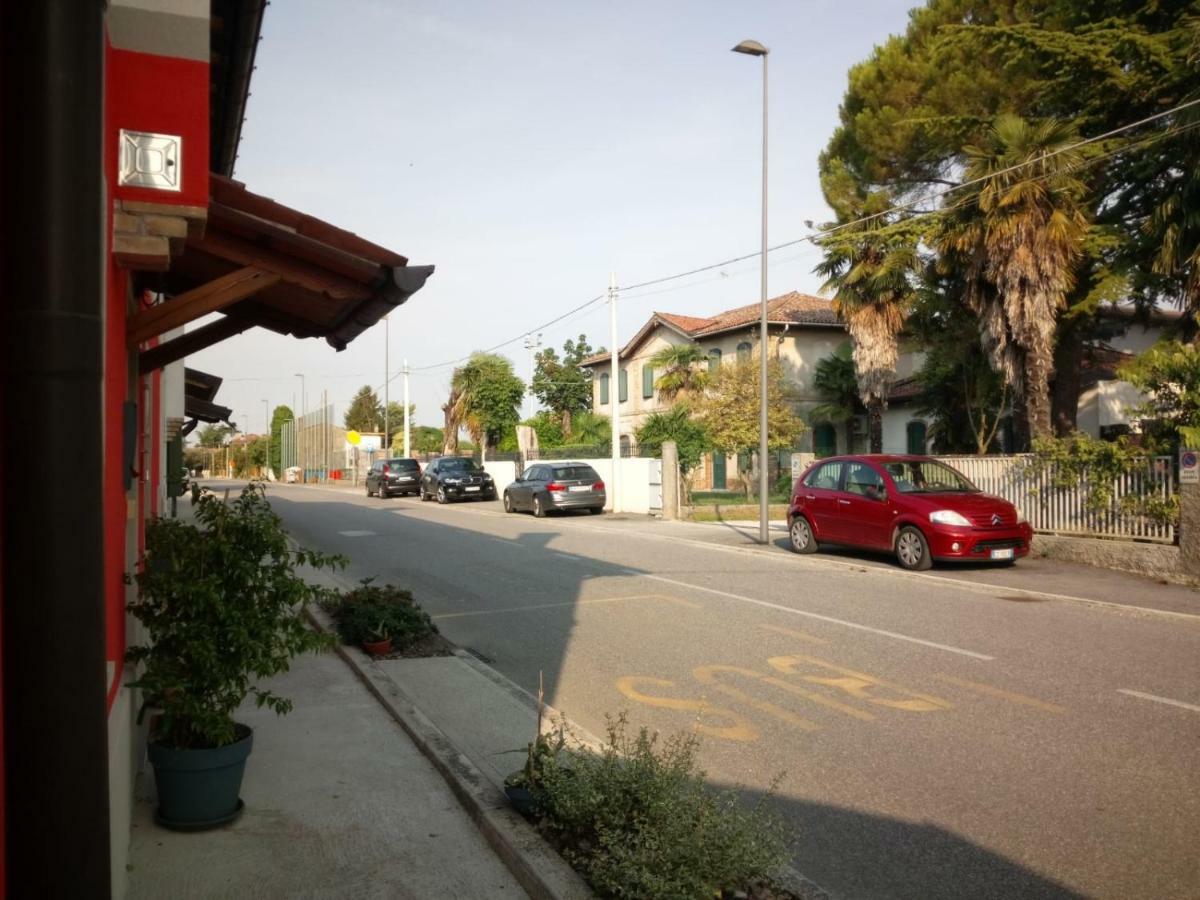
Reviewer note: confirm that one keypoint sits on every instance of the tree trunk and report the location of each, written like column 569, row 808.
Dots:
column 450, row 432
column 1037, row 394
column 566, row 423
column 1068, row 357
column 849, row 435
column 875, row 423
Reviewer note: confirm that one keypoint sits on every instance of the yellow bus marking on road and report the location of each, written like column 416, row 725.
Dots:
column 739, row 729
column 515, row 609
column 792, row 632
column 708, row 675
column 857, row 684
column 1011, row 696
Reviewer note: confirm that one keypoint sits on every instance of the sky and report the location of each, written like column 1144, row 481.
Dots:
column 527, row 150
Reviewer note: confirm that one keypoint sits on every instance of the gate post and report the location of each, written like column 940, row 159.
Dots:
column 670, row 481
column 1189, row 511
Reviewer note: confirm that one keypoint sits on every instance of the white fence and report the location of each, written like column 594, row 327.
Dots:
column 1065, row 510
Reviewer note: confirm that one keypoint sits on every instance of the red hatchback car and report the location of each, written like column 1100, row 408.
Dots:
column 913, row 506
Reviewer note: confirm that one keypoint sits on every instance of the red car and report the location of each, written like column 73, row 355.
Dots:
column 913, row 506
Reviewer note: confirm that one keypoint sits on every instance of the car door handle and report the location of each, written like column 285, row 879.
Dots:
column 810, row 496
column 843, row 502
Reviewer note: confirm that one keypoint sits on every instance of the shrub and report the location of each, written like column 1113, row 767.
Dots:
column 369, row 612
column 638, row 820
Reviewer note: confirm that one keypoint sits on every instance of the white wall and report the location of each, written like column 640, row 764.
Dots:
column 633, row 483
column 895, row 428
column 502, row 471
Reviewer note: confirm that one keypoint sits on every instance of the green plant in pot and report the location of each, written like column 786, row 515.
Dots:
column 379, row 641
column 223, row 607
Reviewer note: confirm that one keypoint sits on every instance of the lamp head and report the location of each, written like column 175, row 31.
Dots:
column 751, row 48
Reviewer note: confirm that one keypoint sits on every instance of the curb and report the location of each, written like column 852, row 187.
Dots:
column 537, row 867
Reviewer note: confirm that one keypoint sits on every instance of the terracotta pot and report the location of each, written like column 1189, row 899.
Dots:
column 378, row 648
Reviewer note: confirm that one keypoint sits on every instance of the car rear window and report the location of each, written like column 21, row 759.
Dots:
column 583, row 473
column 402, row 465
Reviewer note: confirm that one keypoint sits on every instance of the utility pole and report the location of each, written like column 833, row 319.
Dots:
column 407, row 424
column 532, row 344
column 387, row 434
column 267, row 420
column 302, row 441
column 614, row 394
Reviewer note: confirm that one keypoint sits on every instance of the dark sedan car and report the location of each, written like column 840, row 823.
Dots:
column 456, row 478
column 913, row 506
column 556, row 485
column 393, row 476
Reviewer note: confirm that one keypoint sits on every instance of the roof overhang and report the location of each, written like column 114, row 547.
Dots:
column 262, row 264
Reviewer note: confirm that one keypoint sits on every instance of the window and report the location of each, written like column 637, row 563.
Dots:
column 623, row 388
column 825, row 477
column 576, row 473
column 604, row 380
column 861, row 479
column 824, row 440
column 530, row 474
column 927, row 477
column 714, row 361
column 647, row 381
column 626, row 446
column 743, row 351
column 916, row 437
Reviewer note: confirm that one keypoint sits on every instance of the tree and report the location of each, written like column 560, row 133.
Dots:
column 214, row 435
column 1169, row 374
column 1018, row 241
column 730, row 411
column 487, row 396
column 682, row 375
column 281, row 415
column 365, row 412
column 395, row 421
column 589, row 429
column 562, row 385
column 676, row 424
column 835, row 381
column 426, row 439
column 548, row 427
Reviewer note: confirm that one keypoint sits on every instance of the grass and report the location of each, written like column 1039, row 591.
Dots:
column 740, row 513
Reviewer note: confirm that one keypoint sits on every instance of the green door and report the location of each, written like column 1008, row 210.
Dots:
column 718, row 471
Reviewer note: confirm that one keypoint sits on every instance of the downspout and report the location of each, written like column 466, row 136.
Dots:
column 53, row 257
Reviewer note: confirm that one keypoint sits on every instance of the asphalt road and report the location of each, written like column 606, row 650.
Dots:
column 954, row 735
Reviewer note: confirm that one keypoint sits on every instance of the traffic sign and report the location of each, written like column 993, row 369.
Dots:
column 1189, row 466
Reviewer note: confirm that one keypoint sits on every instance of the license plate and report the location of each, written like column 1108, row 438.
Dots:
column 472, row 489
column 579, row 487
column 1006, row 553
column 405, row 478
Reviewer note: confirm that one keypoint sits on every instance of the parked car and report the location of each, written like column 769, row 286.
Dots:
column 456, row 478
column 913, row 506
column 291, row 475
column 556, row 485
column 387, row 477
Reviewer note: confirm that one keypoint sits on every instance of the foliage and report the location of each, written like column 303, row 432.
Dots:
column 248, row 456
column 486, row 395
column 223, row 606
column 425, row 439
column 214, row 435
column 591, row 429
column 730, row 411
column 638, row 820
column 1169, row 374
column 365, row 413
column 370, row 612
column 395, row 422
column 548, row 428
column 835, row 381
column 684, row 371
column 562, row 385
column 678, row 425
column 281, row 415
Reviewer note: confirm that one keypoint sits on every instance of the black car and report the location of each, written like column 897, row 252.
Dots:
column 456, row 478
column 394, row 476
column 556, row 485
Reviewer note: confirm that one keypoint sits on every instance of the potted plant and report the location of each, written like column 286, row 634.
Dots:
column 379, row 641
column 222, row 606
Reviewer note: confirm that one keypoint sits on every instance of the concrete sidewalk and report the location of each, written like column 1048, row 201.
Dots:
column 339, row 803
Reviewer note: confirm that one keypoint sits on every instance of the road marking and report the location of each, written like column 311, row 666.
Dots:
column 812, row 615
column 708, row 675
column 740, row 729
column 1157, row 699
column 514, row 609
column 357, row 533
column 1002, row 694
column 856, row 684
column 792, row 632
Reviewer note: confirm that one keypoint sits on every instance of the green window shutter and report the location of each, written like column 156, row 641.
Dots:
column 824, row 440
column 647, row 381
column 623, row 387
column 916, row 437
column 744, row 351
column 604, row 379
column 714, row 361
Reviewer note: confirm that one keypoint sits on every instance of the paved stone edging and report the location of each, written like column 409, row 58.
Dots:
column 535, row 864
column 1153, row 560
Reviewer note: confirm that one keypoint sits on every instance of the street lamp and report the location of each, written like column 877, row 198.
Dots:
column 267, row 424
column 300, row 431
column 754, row 48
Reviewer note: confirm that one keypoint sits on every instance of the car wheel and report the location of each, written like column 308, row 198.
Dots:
column 912, row 550
column 801, row 536
column 538, row 510
column 595, row 510
column 441, row 494
column 508, row 507
column 421, row 493
column 368, row 490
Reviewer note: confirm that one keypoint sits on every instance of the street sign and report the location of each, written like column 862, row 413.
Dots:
column 353, row 437
column 1189, row 466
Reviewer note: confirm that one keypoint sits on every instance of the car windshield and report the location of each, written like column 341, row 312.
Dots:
column 459, row 465
column 923, row 476
column 579, row 472
column 402, row 465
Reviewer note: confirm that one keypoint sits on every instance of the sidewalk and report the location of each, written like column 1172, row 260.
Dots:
column 339, row 803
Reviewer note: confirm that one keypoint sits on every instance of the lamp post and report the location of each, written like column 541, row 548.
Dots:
column 532, row 344
column 387, row 435
column 754, row 48
column 267, row 422
column 300, row 431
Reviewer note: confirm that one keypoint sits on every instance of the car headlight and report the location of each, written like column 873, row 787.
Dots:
column 1020, row 514
column 948, row 517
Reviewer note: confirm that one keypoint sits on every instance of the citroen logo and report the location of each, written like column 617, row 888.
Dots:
column 995, row 518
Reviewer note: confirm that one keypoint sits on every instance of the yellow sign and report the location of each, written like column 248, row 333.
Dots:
column 353, row 438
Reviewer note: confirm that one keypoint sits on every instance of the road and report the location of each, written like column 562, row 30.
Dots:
column 952, row 735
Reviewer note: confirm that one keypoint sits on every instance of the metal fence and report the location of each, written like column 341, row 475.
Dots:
column 315, row 443
column 1069, row 510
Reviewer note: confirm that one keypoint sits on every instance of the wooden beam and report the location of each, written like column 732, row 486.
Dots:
column 191, row 305
column 192, row 342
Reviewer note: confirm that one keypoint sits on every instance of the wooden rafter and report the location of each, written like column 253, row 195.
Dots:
column 192, row 305
column 192, row 342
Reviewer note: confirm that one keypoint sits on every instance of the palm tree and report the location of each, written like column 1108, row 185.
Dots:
column 871, row 267
column 835, row 381
column 1019, row 236
column 589, row 428
column 681, row 372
